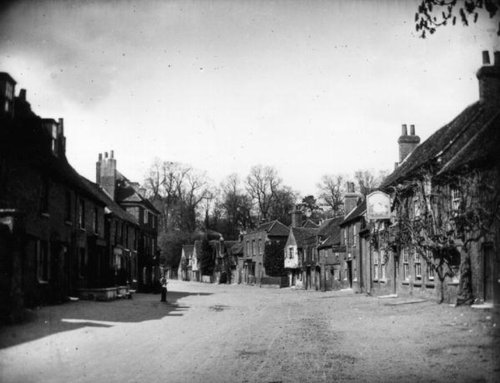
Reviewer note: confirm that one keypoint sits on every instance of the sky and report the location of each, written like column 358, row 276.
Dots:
column 308, row 87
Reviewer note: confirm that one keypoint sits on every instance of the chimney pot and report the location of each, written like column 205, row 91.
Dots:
column 412, row 130
column 100, row 156
column 112, row 154
column 496, row 54
column 486, row 58
column 22, row 94
column 105, row 154
column 404, row 130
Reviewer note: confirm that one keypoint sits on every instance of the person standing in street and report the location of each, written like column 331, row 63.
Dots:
column 163, row 282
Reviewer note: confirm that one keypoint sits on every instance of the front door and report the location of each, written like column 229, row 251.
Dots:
column 488, row 258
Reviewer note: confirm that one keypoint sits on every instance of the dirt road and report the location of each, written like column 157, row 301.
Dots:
column 221, row 333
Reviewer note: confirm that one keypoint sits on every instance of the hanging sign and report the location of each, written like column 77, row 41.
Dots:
column 378, row 206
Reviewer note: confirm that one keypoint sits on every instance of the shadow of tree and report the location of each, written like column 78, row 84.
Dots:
column 70, row 316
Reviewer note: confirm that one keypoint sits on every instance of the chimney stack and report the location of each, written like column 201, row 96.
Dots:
column 407, row 143
column 296, row 217
column 7, row 92
column 489, row 80
column 350, row 199
column 106, row 173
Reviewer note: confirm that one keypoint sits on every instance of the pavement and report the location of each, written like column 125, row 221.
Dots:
column 237, row 333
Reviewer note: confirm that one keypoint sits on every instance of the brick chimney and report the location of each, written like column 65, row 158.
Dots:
column 407, row 142
column 489, row 80
column 296, row 217
column 106, row 173
column 350, row 199
column 7, row 92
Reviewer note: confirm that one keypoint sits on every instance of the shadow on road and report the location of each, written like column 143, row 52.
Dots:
column 70, row 316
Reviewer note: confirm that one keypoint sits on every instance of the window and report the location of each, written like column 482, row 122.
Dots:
column 290, row 252
column 375, row 265
column 261, row 249
column 96, row 220
column 406, row 265
column 81, row 214
column 382, row 265
column 418, row 266
column 44, row 196
column 53, row 144
column 354, row 236
column 345, row 236
column 456, row 198
column 416, row 207
column 67, row 206
column 430, row 272
column 43, row 261
column 254, row 249
column 248, row 249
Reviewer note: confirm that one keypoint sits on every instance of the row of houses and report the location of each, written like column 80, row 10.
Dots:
column 431, row 229
column 61, row 234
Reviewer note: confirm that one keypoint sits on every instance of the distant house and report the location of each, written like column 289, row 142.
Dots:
column 298, row 252
column 186, row 263
column 353, row 223
column 331, row 254
column 252, row 263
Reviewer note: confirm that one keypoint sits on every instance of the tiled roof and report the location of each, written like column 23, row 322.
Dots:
column 237, row 248
column 356, row 213
column 273, row 228
column 330, row 226
column 302, row 234
column 464, row 140
column 310, row 224
column 116, row 209
column 126, row 192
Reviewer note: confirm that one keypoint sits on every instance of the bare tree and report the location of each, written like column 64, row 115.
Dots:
column 368, row 179
column 262, row 185
column 331, row 191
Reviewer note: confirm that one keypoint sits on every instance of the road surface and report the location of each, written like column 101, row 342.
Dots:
column 236, row 333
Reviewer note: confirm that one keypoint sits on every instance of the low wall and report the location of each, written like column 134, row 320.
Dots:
column 276, row 282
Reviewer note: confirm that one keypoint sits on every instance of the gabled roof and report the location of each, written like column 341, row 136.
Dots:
column 309, row 223
column 188, row 250
column 330, row 226
column 462, row 141
column 302, row 234
column 273, row 228
column 126, row 192
column 355, row 214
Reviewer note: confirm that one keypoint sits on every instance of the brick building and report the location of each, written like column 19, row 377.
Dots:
column 128, row 196
column 251, row 265
column 51, row 222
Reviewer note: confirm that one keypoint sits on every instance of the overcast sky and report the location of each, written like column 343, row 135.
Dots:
column 310, row 88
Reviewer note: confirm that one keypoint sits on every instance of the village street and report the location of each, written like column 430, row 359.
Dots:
column 235, row 333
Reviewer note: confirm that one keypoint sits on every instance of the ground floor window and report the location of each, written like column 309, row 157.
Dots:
column 43, row 261
column 406, row 265
column 375, row 266
column 382, row 265
column 417, row 265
